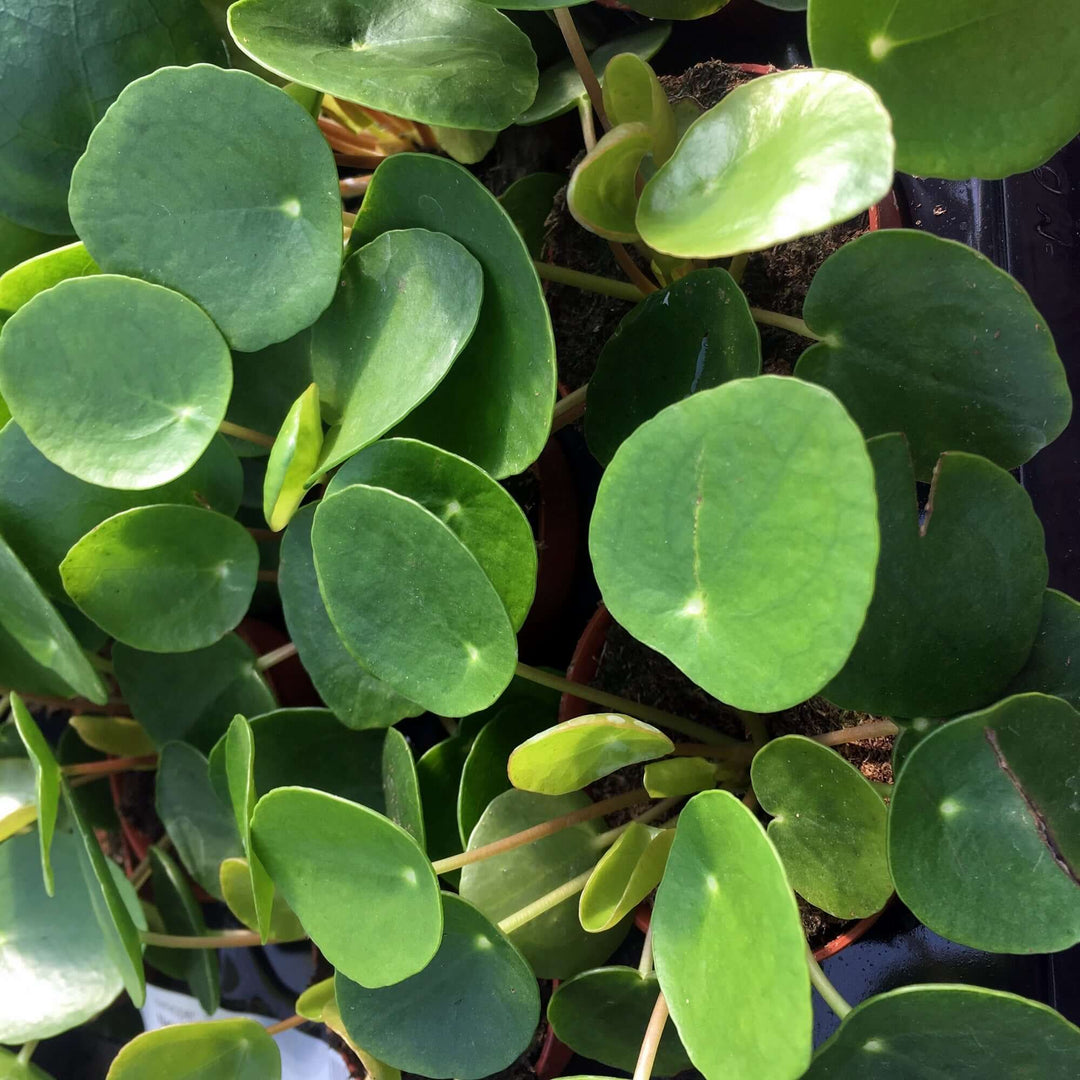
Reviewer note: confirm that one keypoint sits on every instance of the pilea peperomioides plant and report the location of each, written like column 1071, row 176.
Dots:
column 226, row 396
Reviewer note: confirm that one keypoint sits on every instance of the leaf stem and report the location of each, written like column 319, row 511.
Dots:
column 830, row 995
column 293, row 1021
column 784, row 322
column 737, row 267
column 631, row 708
column 631, row 268
column 651, row 1043
column 538, row 832
column 226, row 939
column 645, row 964
column 588, row 127
column 275, row 656
column 102, row 663
column 144, row 762
column 26, row 1052
column 269, row 576
column 545, row 903
column 621, row 290
column 581, row 62
column 238, row 431
column 569, row 408
column 878, row 729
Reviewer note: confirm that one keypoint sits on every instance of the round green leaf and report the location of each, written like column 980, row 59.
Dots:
column 317, row 849
column 191, row 696
column 293, row 458
column 629, row 870
column 958, row 594
column 495, row 405
column 45, row 510
column 603, row 1014
column 416, row 1024
column 729, row 947
column 1049, row 668
column 572, row 754
column 694, row 335
column 46, row 783
column 210, row 1050
column 963, row 105
column 238, row 893
column 200, row 825
column 173, row 190
column 680, row 776
column 679, row 567
column 60, row 67
column 407, row 305
column 602, row 194
column 82, row 370
column 555, row 944
column 35, row 640
column 164, row 578
column 828, row 826
column 119, row 735
column 528, row 201
column 358, row 699
column 446, row 640
column 57, row 971
column 477, row 510
column 464, row 145
column 963, row 1032
column 561, row 87
column 985, row 811
column 22, row 283
column 927, row 337
column 781, row 156
column 181, row 915
column 450, row 62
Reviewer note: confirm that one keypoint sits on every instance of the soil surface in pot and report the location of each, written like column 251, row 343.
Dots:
column 630, row 669
column 777, row 279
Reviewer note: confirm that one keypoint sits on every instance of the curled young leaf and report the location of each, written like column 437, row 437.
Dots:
column 293, row 458
column 239, row 895
column 628, row 871
column 602, row 194
column 46, row 783
column 632, row 93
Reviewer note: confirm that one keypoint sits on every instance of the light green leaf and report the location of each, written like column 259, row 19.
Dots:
column 782, row 156
column 81, row 372
column 316, row 848
column 576, row 752
column 450, row 62
column 728, row 942
column 629, row 870
column 46, row 784
column 464, row 145
column 975, row 369
column 985, row 810
column 494, row 407
column 476, row 973
column 445, row 641
column 210, row 1050
column 293, row 458
column 602, row 195
column 680, row 776
column 1049, row 668
column 828, row 826
column 18, row 797
column 23, row 282
column 171, row 189
column 11, row 1068
column 958, row 595
column 238, row 894
column 18, row 244
column 358, row 699
column 694, row 335
column 963, row 105
column 680, row 569
column 164, row 578
column 407, row 305
column 632, row 93
column 119, row 735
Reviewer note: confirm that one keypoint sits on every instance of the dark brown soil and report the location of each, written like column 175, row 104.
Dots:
column 136, row 803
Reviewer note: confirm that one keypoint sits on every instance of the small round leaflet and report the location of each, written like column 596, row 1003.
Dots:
column 962, row 1032
column 212, row 1050
column 576, row 752
column 245, row 219
column 416, row 1024
column 119, row 382
column 985, row 810
column 702, row 503
column 782, row 156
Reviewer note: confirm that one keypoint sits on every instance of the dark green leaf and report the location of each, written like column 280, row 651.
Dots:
column 17, row 244
column 528, row 201
column 1049, row 668
column 46, row 784
column 438, row 774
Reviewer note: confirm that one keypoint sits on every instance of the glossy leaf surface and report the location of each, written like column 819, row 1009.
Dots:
column 602, row 195
column 22, row 283
column 171, row 212
column 926, row 337
column 729, row 947
column 961, row 104
column 576, row 752
column 211, row 1050
column 828, row 826
column 633, row 94
column 317, row 847
column 985, row 810
column 628, row 871
column 782, row 156
column 46, row 784
column 694, row 335
column 81, row 371
column 416, row 1024
column 293, row 458
column 958, row 594
column 680, row 776
column 164, row 578
column 679, row 567
column 494, row 407
column 450, row 62
column 446, row 640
